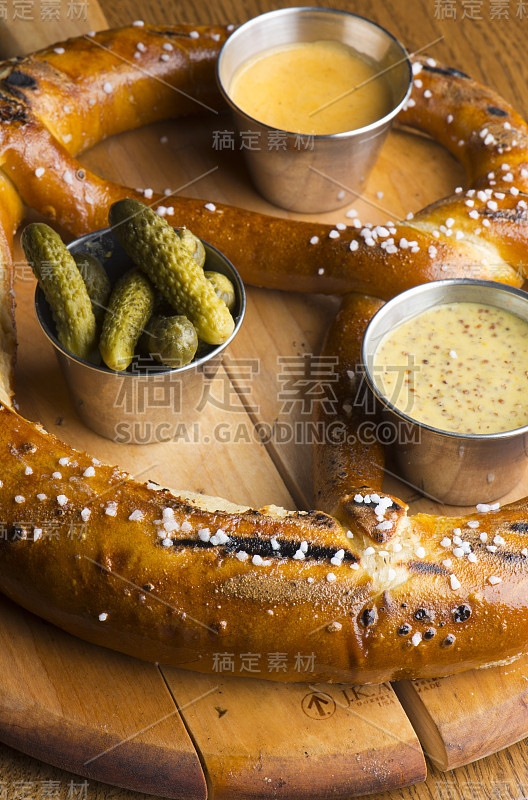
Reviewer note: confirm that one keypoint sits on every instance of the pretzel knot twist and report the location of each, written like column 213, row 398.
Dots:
column 236, row 580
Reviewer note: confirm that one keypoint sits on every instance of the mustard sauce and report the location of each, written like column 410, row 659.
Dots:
column 459, row 367
column 312, row 88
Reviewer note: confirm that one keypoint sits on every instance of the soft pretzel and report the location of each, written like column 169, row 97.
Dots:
column 372, row 593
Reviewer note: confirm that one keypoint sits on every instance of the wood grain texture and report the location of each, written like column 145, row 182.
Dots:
column 258, row 740
column 466, row 717
column 101, row 714
column 411, row 172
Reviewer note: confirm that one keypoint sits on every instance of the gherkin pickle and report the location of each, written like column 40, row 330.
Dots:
column 170, row 340
column 223, row 287
column 157, row 249
column 194, row 245
column 96, row 281
column 129, row 309
column 64, row 288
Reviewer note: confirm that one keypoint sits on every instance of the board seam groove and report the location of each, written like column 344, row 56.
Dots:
column 199, row 754
column 282, row 469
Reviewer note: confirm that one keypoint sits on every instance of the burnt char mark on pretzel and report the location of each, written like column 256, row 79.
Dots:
column 15, row 81
column 11, row 110
column 255, row 546
column 426, row 568
column 497, row 112
column 18, row 78
column 449, row 71
column 521, row 527
column 509, row 556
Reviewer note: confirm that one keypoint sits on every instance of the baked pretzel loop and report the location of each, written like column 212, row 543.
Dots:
column 183, row 578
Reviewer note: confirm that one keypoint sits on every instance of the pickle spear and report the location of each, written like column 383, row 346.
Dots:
column 64, row 288
column 157, row 249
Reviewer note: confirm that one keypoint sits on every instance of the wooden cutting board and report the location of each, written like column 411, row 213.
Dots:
column 175, row 734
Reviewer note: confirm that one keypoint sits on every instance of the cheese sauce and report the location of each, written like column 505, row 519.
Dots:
column 460, row 367
column 282, row 87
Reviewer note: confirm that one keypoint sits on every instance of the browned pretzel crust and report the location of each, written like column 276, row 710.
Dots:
column 377, row 596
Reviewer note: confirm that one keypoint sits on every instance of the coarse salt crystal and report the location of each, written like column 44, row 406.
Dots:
column 59, row 50
column 28, row 471
column 416, row 639
column 333, row 235
column 62, row 499
column 56, row 475
column 107, row 87
column 353, row 245
column 136, row 516
column 19, row 498
column 89, row 472
column 494, row 580
column 242, row 555
column 314, row 240
column 111, row 509
column 455, row 583
column 42, row 496
column 103, row 616
column 330, row 577
column 39, row 172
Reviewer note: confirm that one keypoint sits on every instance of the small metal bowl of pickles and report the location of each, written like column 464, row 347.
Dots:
column 147, row 401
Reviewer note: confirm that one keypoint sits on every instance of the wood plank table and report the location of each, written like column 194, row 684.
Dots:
column 164, row 732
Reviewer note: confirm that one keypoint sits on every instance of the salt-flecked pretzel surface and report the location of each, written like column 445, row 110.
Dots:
column 374, row 593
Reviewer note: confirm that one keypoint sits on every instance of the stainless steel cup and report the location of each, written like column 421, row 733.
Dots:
column 148, row 402
column 322, row 172
column 460, row 469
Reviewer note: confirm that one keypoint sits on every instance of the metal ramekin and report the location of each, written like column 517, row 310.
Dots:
column 459, row 469
column 334, row 171
column 146, row 403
